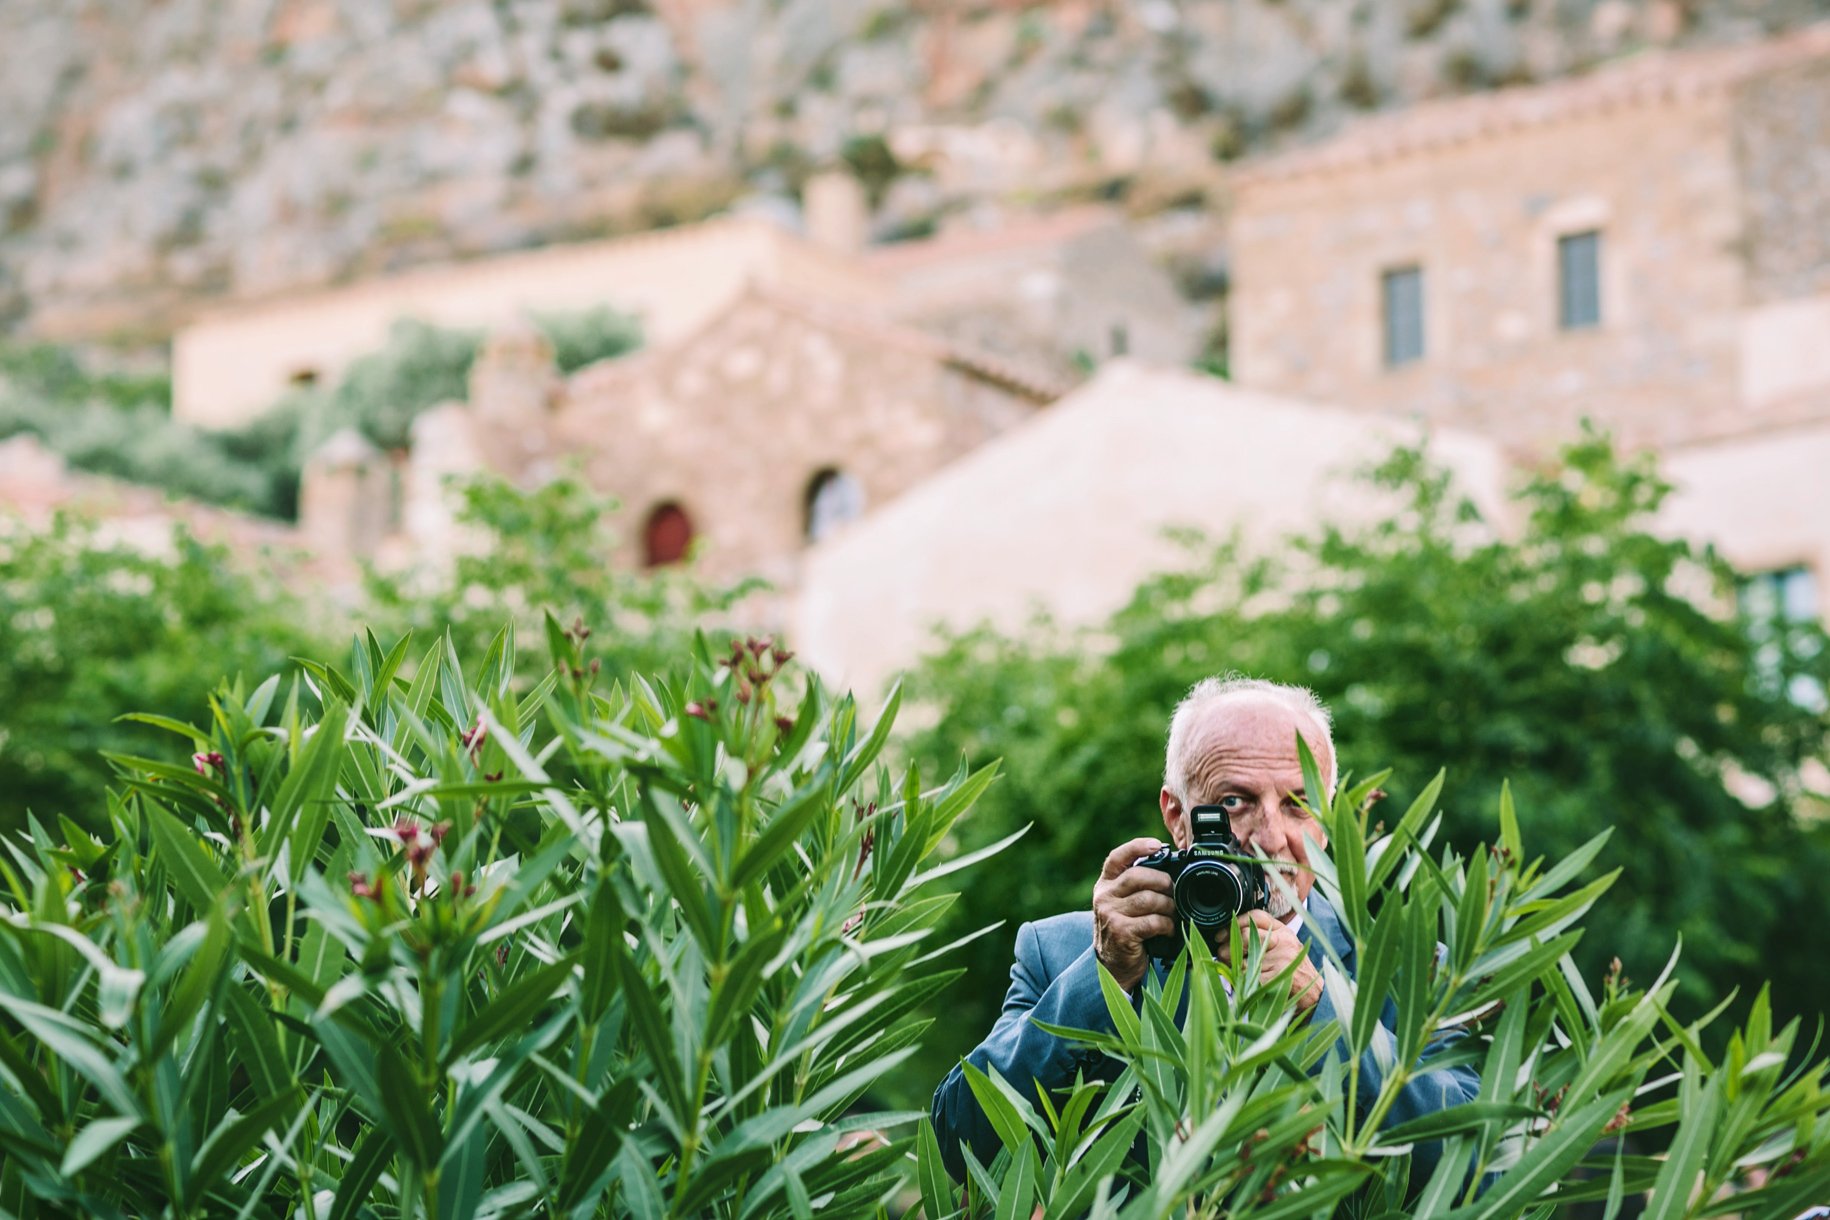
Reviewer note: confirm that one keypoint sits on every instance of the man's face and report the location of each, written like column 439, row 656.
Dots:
column 1242, row 757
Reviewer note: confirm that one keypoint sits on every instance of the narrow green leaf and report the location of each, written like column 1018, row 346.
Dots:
column 1509, row 825
column 301, row 809
column 1700, row 1105
column 641, row 1193
column 513, row 1008
column 652, row 1035
column 410, row 1122
column 1405, row 833
column 1004, row 1116
column 937, row 1190
column 189, row 866
column 1017, row 1192
column 786, row 825
column 231, row 1142
column 257, row 1047
column 1455, row 1120
column 168, row 724
column 860, row 759
column 1544, row 1162
column 93, row 1142
column 70, row 1041
column 362, row 1174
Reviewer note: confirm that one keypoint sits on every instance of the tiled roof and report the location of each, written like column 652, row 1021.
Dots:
column 1653, row 78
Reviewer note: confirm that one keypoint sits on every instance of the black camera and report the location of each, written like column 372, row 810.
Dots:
column 1212, row 886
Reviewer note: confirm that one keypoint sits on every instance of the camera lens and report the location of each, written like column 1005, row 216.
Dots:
column 1208, row 894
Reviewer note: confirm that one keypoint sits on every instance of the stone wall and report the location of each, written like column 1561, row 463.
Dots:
column 1482, row 217
column 1782, row 138
column 735, row 425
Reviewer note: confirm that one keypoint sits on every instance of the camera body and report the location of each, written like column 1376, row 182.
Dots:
column 1212, row 886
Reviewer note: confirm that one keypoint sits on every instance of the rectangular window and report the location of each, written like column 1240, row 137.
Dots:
column 1579, row 281
column 1777, row 606
column 1788, row 595
column 1402, row 293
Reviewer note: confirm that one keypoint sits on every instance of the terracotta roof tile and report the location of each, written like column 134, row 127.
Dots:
column 1653, row 78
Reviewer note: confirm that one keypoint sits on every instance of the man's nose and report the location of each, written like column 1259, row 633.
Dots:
column 1266, row 831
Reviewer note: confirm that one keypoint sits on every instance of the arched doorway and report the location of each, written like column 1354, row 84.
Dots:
column 833, row 498
column 667, row 535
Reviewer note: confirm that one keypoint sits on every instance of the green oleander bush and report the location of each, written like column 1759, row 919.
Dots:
column 1247, row 1112
column 380, row 946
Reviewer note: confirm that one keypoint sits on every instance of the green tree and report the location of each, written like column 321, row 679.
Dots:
column 1572, row 658
column 93, row 629
column 120, row 424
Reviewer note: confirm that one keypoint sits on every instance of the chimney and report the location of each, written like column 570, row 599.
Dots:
column 344, row 497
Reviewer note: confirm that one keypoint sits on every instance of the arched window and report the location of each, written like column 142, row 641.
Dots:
column 833, row 498
column 667, row 535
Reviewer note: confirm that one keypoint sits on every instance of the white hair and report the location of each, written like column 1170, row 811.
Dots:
column 1209, row 691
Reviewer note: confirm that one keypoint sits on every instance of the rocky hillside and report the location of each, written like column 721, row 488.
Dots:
column 155, row 153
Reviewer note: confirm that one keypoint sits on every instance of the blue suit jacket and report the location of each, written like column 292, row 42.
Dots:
column 1055, row 980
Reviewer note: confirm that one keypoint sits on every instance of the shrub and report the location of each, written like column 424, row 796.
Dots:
column 588, row 336
column 1248, row 1113
column 434, row 948
column 92, row 629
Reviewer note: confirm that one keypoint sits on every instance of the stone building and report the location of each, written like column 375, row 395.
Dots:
column 1063, row 292
column 779, row 422
column 1051, row 291
column 1648, row 246
column 231, row 363
column 774, row 425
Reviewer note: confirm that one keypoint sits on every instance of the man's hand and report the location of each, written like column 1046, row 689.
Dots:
column 1130, row 905
column 1281, row 948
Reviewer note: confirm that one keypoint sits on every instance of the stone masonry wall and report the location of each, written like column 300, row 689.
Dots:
column 1782, row 137
column 735, row 425
column 1482, row 219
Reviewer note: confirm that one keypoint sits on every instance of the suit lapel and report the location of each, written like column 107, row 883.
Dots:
column 1320, row 920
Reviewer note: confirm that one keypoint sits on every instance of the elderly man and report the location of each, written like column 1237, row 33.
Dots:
column 1232, row 743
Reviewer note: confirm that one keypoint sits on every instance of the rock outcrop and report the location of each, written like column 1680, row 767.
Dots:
column 160, row 153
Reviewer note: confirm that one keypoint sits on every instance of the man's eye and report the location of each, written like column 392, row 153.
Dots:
column 1232, row 804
